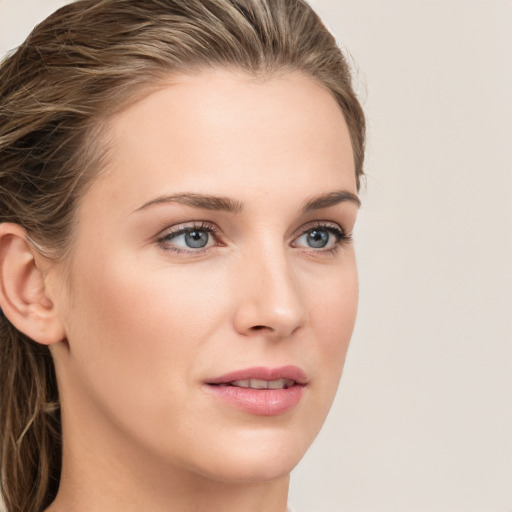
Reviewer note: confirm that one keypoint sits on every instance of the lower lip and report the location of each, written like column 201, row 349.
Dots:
column 263, row 402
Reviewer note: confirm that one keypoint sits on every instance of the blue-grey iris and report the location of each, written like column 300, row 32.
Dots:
column 318, row 238
column 196, row 239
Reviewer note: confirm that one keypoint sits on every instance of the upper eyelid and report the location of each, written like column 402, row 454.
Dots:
column 213, row 228
column 333, row 227
column 202, row 224
column 319, row 223
column 184, row 226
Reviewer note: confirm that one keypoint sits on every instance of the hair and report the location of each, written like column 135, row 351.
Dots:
column 77, row 68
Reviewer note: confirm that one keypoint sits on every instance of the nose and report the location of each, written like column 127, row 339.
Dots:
column 269, row 299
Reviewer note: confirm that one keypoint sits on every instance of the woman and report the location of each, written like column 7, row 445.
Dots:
column 178, row 189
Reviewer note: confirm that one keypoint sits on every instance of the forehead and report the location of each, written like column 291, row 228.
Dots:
column 216, row 130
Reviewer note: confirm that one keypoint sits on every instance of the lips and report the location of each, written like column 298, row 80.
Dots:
column 260, row 390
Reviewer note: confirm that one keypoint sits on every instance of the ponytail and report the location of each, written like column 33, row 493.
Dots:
column 30, row 438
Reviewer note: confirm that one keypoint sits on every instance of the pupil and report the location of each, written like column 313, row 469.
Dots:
column 318, row 238
column 196, row 239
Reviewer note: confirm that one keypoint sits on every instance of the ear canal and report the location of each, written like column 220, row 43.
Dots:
column 23, row 297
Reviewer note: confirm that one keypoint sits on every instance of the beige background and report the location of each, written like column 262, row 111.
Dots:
column 423, row 420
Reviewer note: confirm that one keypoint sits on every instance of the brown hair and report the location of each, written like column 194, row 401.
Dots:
column 80, row 65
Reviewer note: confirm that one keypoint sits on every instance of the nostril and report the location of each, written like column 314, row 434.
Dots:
column 259, row 327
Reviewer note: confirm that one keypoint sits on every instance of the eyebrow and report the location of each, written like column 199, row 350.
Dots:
column 205, row 202
column 330, row 199
column 208, row 202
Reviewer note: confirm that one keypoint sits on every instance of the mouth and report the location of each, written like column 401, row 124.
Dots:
column 260, row 384
column 262, row 377
column 260, row 390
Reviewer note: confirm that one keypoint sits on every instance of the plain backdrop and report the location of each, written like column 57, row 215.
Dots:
column 423, row 418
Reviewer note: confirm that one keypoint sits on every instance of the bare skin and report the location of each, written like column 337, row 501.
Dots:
column 147, row 321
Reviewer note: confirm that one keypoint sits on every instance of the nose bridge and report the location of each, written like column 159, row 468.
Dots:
column 270, row 298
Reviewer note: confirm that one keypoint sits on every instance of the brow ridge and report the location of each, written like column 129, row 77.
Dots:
column 205, row 202
column 330, row 199
column 209, row 202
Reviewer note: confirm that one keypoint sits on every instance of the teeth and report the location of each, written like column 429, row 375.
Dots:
column 241, row 383
column 263, row 384
column 280, row 383
column 258, row 384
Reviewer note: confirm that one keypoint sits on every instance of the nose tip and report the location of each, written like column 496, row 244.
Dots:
column 278, row 325
column 270, row 302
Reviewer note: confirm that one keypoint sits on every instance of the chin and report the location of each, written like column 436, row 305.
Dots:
column 257, row 455
column 249, row 470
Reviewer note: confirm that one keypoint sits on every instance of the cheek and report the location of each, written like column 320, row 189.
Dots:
column 333, row 310
column 129, row 294
column 132, row 330
column 333, row 305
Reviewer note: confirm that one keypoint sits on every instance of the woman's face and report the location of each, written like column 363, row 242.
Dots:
column 212, row 256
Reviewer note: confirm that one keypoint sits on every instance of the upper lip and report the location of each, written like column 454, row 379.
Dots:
column 263, row 373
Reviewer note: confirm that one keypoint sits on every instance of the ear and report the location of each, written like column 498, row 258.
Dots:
column 23, row 297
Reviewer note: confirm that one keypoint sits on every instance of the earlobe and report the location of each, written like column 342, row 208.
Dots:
column 23, row 297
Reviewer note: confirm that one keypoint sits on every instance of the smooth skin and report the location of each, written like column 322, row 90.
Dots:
column 142, row 315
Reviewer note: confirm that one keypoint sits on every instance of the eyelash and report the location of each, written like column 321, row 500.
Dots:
column 184, row 229
column 341, row 237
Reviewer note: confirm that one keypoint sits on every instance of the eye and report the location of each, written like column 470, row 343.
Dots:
column 188, row 238
column 326, row 237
